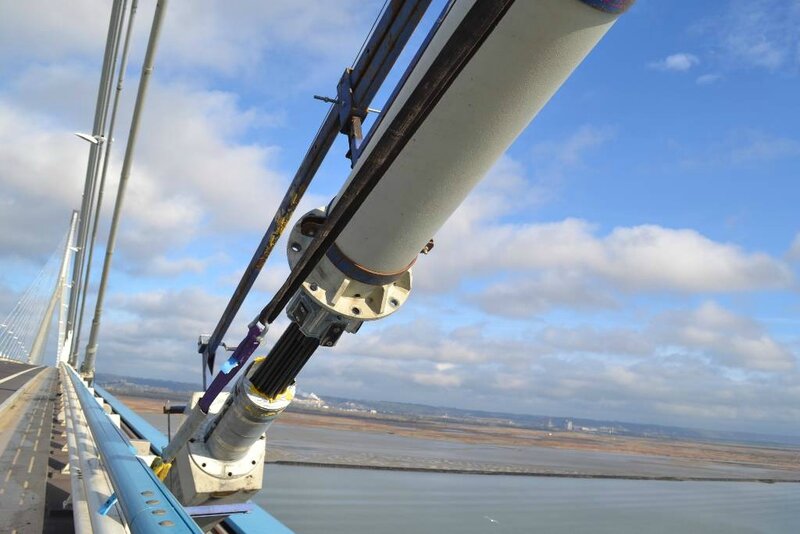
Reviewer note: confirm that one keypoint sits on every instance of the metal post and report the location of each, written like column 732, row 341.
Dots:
column 44, row 327
column 88, row 187
column 147, row 70
column 103, row 151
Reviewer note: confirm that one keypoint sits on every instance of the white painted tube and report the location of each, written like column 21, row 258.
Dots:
column 534, row 48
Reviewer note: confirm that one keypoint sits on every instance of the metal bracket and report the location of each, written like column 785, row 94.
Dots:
column 351, row 114
column 111, row 501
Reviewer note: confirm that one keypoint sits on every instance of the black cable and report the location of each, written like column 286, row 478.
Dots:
column 284, row 362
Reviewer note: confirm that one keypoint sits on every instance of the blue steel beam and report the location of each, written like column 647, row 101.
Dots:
column 148, row 506
column 134, row 421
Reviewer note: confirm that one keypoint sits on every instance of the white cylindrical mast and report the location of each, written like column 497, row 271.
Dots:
column 534, row 48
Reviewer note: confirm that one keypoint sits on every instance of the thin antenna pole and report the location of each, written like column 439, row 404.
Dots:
column 147, row 70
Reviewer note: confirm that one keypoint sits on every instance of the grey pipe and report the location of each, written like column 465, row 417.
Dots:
column 88, row 186
column 106, row 157
column 147, row 70
column 95, row 205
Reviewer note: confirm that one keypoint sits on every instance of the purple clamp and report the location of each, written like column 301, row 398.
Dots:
column 227, row 371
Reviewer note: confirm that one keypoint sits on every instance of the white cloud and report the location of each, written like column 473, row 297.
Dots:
column 742, row 147
column 52, row 31
column 586, row 339
column 760, row 34
column 588, row 370
column 208, row 171
column 437, row 379
column 653, row 257
column 727, row 338
column 754, row 146
column 553, row 160
column 532, row 295
column 708, row 79
column 681, row 62
column 632, row 259
column 166, row 267
column 37, row 199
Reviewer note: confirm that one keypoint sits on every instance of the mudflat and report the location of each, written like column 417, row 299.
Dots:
column 379, row 441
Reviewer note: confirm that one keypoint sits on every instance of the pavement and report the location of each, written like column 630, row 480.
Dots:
column 25, row 432
column 14, row 375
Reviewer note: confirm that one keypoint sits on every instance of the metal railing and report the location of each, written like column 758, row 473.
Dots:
column 147, row 506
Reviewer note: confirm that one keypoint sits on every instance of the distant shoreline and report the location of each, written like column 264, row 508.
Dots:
column 668, row 459
column 540, row 474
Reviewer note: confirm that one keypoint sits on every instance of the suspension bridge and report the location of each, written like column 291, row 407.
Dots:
column 75, row 458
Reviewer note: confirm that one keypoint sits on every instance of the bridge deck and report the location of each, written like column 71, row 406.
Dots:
column 14, row 375
column 26, row 411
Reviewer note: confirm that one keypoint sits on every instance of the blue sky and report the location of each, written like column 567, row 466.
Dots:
column 633, row 256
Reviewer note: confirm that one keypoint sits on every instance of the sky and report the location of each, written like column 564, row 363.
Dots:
column 633, row 256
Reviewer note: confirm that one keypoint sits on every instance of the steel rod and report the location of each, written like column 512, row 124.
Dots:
column 127, row 164
column 88, row 187
column 104, row 153
column 370, row 70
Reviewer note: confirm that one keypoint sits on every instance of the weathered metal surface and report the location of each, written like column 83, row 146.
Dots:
column 369, row 71
column 454, row 55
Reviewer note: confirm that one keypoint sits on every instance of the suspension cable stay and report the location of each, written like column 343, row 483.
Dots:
column 19, row 339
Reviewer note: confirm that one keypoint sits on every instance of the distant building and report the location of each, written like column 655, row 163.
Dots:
column 568, row 425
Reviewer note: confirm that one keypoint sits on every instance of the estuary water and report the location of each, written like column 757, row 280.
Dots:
column 312, row 500
column 334, row 500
